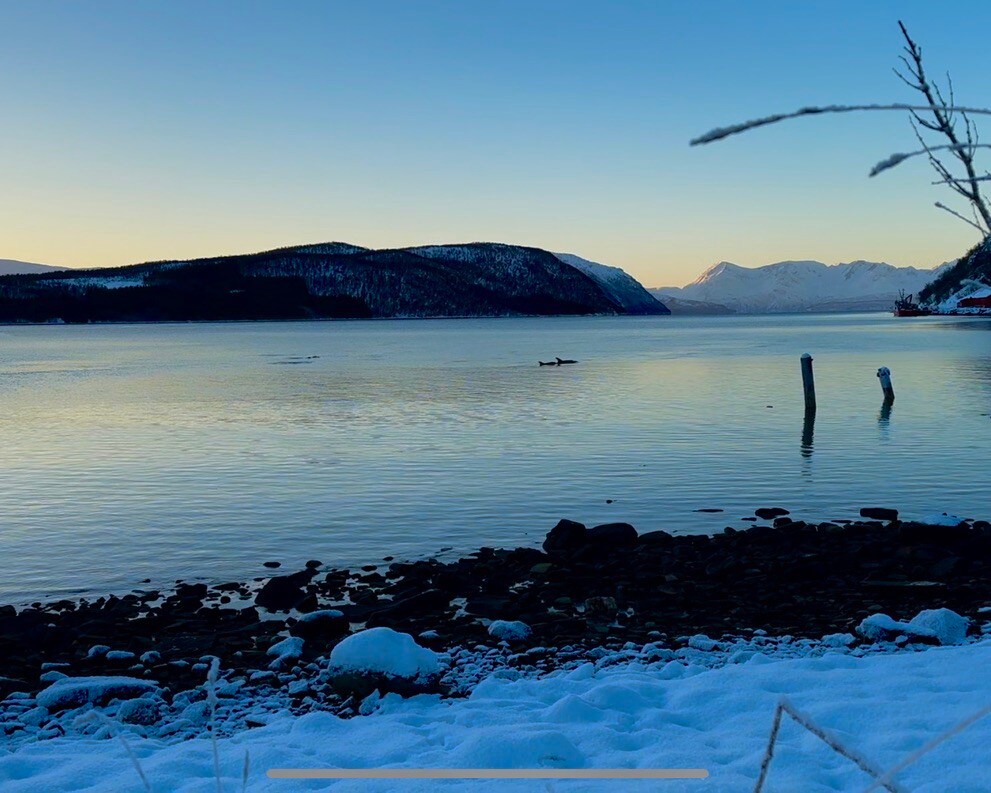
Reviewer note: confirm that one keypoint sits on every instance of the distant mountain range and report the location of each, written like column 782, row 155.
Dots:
column 796, row 286
column 331, row 280
column 14, row 267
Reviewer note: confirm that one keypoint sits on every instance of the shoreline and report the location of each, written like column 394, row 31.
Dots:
column 604, row 587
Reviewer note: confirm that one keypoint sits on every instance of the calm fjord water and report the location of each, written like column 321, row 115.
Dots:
column 200, row 451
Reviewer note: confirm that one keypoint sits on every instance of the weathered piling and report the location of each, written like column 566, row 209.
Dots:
column 808, row 384
column 884, row 375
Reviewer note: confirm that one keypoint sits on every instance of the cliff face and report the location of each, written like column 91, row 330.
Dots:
column 973, row 268
column 324, row 280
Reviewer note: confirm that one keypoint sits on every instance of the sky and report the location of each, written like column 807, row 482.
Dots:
column 143, row 131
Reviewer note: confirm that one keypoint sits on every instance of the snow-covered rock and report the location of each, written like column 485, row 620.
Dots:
column 509, row 630
column 321, row 624
column 119, row 655
column 385, row 660
column 702, row 642
column 942, row 519
column 285, row 652
column 940, row 625
column 72, row 692
column 839, row 639
column 143, row 711
column 385, row 651
column 945, row 625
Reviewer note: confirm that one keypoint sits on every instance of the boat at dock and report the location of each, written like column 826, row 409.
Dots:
column 906, row 307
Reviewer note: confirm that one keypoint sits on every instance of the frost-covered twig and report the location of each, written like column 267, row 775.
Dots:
column 928, row 747
column 734, row 129
column 956, row 214
column 900, row 157
column 244, row 771
column 951, row 181
column 765, row 763
column 828, row 738
column 211, row 696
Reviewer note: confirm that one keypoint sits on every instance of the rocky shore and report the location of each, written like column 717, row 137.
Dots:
column 586, row 589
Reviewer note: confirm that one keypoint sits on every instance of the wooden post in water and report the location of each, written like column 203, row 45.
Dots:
column 884, row 375
column 809, row 384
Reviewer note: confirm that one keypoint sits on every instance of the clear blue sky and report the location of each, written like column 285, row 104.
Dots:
column 144, row 130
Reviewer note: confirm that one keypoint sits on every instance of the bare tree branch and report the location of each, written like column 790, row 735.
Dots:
column 956, row 214
column 899, row 157
column 943, row 111
column 735, row 129
column 944, row 124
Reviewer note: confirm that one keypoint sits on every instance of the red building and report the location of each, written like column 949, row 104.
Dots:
column 980, row 299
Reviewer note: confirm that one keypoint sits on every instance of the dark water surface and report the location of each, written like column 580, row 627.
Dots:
column 200, row 451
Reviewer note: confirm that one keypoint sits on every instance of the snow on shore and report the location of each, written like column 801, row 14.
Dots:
column 640, row 708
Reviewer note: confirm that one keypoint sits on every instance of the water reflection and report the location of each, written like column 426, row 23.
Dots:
column 808, row 433
column 884, row 415
column 181, row 452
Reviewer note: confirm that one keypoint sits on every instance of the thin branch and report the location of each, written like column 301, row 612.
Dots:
column 957, row 728
column 951, row 180
column 943, row 114
column 828, row 738
column 956, row 214
column 735, row 129
column 900, row 157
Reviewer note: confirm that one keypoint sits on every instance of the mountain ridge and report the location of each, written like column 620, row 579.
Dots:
column 321, row 280
column 803, row 285
column 17, row 267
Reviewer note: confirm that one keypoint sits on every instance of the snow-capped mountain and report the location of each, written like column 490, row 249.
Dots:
column 14, row 267
column 618, row 284
column 804, row 286
column 327, row 280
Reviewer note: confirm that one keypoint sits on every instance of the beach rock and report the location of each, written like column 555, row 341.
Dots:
column 73, row 692
column 143, row 711
column 282, row 593
column 384, row 660
column 945, row 625
column 428, row 602
column 509, row 630
column 769, row 513
column 659, row 537
column 323, row 624
column 566, row 536
column 285, row 652
column 613, row 534
column 879, row 513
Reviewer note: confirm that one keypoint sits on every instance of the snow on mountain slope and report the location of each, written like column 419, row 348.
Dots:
column 14, row 267
column 618, row 284
column 804, row 286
